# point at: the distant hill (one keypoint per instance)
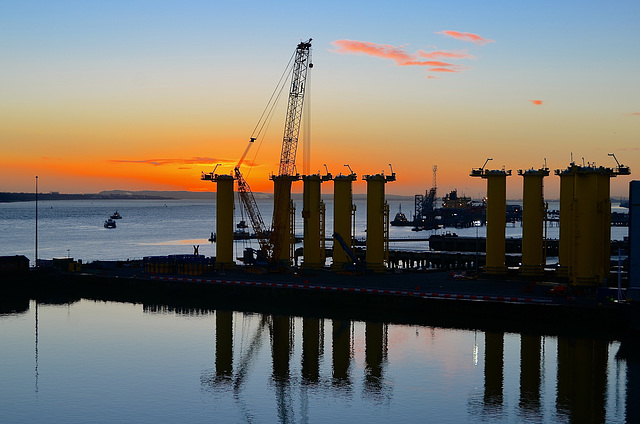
(146, 194)
(155, 195)
(30, 197)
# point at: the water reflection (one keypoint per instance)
(341, 352)
(493, 372)
(224, 345)
(312, 349)
(530, 377)
(581, 367)
(582, 379)
(290, 368)
(375, 356)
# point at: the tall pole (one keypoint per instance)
(36, 265)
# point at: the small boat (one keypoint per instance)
(116, 215)
(401, 219)
(109, 223)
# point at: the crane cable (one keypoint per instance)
(267, 114)
(271, 103)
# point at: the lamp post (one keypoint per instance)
(36, 263)
(476, 224)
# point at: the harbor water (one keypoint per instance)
(82, 360)
(95, 361)
(168, 227)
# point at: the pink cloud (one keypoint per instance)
(632, 114)
(443, 70)
(536, 102)
(384, 51)
(181, 161)
(467, 36)
(443, 53)
(400, 56)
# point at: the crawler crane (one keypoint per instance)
(272, 241)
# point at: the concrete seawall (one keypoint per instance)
(420, 299)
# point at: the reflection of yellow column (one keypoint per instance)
(582, 379)
(281, 237)
(493, 368)
(377, 221)
(532, 221)
(374, 348)
(224, 343)
(496, 218)
(530, 374)
(311, 214)
(224, 221)
(341, 350)
(281, 346)
(342, 210)
(311, 349)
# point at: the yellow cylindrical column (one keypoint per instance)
(566, 220)
(282, 237)
(377, 221)
(311, 214)
(496, 221)
(603, 198)
(585, 222)
(532, 221)
(586, 260)
(342, 221)
(496, 217)
(224, 221)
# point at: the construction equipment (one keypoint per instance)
(355, 264)
(282, 223)
(301, 65)
(271, 241)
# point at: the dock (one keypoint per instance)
(436, 298)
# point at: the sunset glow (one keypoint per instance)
(147, 97)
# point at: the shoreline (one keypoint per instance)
(411, 298)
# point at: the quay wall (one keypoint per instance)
(515, 312)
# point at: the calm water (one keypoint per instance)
(112, 362)
(94, 361)
(148, 228)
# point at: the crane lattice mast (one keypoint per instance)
(294, 108)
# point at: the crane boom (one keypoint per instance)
(294, 108)
(250, 205)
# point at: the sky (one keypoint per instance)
(147, 95)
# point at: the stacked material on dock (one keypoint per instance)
(179, 264)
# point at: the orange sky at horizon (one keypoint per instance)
(94, 100)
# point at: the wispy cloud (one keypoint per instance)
(632, 114)
(537, 102)
(402, 57)
(437, 54)
(467, 36)
(442, 70)
(182, 161)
